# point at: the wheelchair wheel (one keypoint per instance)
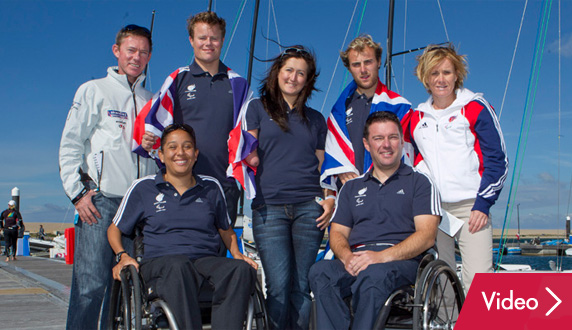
(256, 314)
(439, 297)
(126, 302)
(160, 316)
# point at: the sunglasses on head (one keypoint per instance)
(133, 27)
(294, 50)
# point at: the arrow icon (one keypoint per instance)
(558, 301)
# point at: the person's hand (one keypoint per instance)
(148, 141)
(249, 261)
(361, 260)
(344, 177)
(324, 220)
(125, 261)
(477, 221)
(86, 210)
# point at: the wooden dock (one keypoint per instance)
(34, 293)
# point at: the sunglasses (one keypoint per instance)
(183, 127)
(293, 51)
(133, 27)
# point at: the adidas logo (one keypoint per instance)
(401, 192)
(199, 200)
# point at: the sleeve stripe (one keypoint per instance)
(435, 196)
(121, 208)
(210, 178)
(495, 187)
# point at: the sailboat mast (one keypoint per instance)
(150, 30)
(248, 78)
(389, 49)
(252, 41)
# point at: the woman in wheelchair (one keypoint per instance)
(183, 214)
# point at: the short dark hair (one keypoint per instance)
(133, 30)
(381, 117)
(175, 127)
(208, 17)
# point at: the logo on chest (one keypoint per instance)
(360, 197)
(191, 92)
(160, 203)
(349, 114)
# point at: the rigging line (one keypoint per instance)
(395, 81)
(347, 72)
(569, 197)
(404, 38)
(559, 259)
(234, 27)
(513, 57)
(527, 114)
(535, 74)
(443, 19)
(268, 34)
(338, 57)
(275, 22)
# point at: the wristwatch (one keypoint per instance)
(118, 255)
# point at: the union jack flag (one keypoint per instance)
(339, 157)
(158, 114)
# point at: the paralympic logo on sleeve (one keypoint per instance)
(518, 301)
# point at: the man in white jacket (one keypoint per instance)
(97, 167)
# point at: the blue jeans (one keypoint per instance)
(93, 260)
(288, 239)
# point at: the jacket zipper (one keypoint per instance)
(136, 113)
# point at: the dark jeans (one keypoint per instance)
(288, 240)
(331, 283)
(177, 280)
(11, 242)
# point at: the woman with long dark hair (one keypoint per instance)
(290, 211)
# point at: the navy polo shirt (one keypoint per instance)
(383, 213)
(358, 107)
(205, 102)
(175, 224)
(288, 171)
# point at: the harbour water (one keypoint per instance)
(536, 262)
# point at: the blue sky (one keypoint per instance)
(49, 48)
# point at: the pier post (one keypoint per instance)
(16, 197)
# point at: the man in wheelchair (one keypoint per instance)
(183, 215)
(383, 221)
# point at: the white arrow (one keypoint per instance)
(558, 301)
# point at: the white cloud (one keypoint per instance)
(566, 46)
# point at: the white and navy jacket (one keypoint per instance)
(98, 133)
(461, 148)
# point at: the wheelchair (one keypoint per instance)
(423, 306)
(133, 307)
